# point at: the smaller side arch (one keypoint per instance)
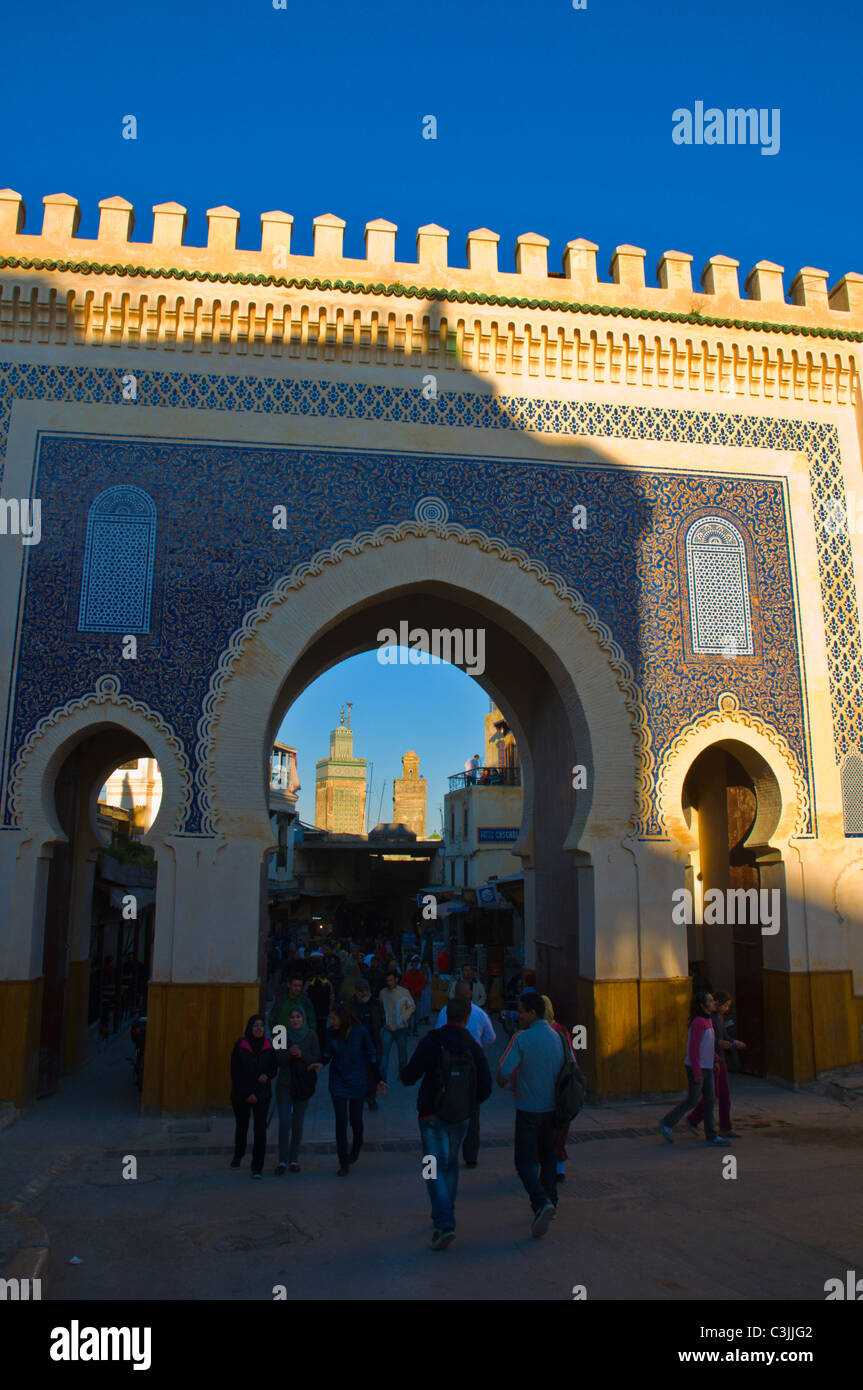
(56, 735)
(761, 749)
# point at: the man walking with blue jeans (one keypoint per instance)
(535, 1057)
(398, 1007)
(455, 1077)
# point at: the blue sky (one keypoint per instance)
(436, 710)
(550, 120)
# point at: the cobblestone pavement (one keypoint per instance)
(638, 1219)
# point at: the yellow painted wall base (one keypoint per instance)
(75, 1019)
(664, 1025)
(811, 1023)
(836, 1036)
(788, 1050)
(628, 1054)
(191, 1030)
(20, 1030)
(810, 1027)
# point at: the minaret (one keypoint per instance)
(409, 796)
(340, 785)
(500, 745)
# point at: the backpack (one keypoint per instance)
(569, 1090)
(455, 1086)
(303, 1081)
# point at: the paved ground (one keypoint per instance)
(638, 1219)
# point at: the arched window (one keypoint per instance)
(719, 613)
(852, 793)
(117, 580)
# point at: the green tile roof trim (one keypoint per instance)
(401, 291)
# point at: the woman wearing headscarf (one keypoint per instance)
(299, 1062)
(253, 1065)
(561, 1133)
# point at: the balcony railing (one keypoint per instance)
(486, 777)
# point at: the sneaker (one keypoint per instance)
(293, 1167)
(235, 1162)
(729, 1134)
(257, 1175)
(441, 1239)
(542, 1220)
(279, 1169)
(666, 1132)
(693, 1129)
(343, 1171)
(718, 1142)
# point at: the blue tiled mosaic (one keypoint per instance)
(217, 553)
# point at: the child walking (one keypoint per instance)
(699, 1061)
(724, 1045)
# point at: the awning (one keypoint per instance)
(451, 908)
(513, 890)
(502, 893)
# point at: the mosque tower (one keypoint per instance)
(409, 796)
(340, 784)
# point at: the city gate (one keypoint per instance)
(226, 470)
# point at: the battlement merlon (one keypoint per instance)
(718, 295)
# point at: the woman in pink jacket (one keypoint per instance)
(700, 1061)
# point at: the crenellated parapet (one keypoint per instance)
(59, 288)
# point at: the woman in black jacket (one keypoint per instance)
(253, 1065)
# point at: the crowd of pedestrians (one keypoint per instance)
(349, 1012)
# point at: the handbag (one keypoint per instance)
(570, 1089)
(303, 1081)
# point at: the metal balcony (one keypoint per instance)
(486, 777)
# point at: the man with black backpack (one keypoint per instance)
(455, 1079)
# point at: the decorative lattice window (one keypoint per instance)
(117, 581)
(852, 793)
(719, 612)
